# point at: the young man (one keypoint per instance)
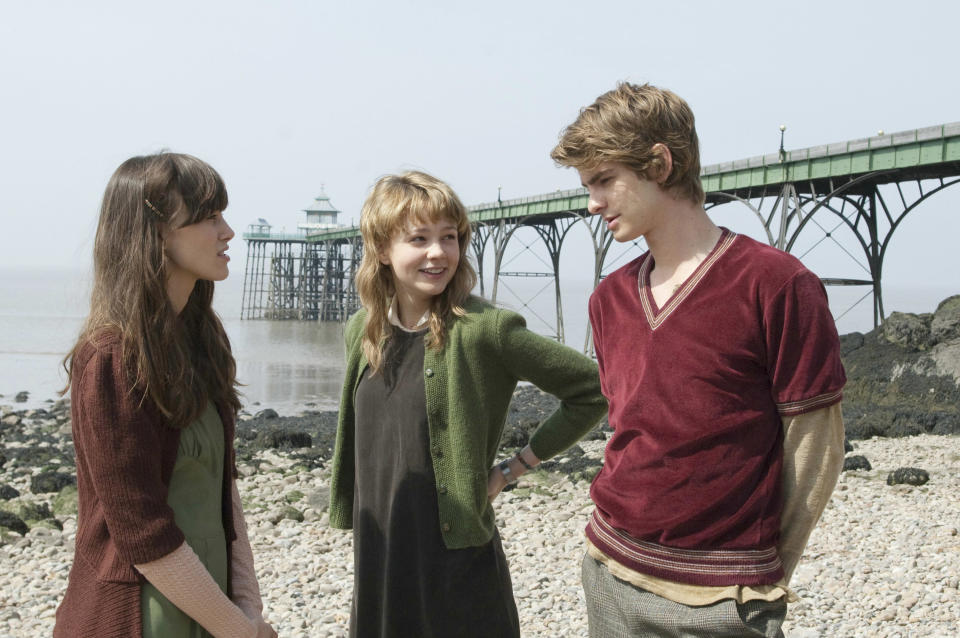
(721, 363)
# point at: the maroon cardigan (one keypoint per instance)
(125, 456)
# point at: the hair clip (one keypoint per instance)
(154, 209)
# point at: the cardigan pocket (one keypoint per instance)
(107, 567)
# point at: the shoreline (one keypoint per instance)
(884, 560)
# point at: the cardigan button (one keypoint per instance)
(445, 527)
(438, 451)
(442, 489)
(428, 372)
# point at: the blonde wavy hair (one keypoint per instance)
(396, 203)
(624, 124)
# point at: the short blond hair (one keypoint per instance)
(396, 202)
(624, 124)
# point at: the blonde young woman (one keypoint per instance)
(430, 371)
(161, 547)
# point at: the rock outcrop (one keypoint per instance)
(904, 377)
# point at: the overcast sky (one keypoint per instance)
(284, 97)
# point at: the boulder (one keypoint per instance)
(894, 388)
(35, 511)
(857, 462)
(22, 396)
(529, 407)
(284, 438)
(908, 475)
(13, 523)
(908, 330)
(8, 492)
(319, 499)
(50, 482)
(65, 502)
(850, 342)
(945, 324)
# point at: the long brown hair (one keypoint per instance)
(395, 202)
(177, 362)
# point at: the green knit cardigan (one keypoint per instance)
(469, 384)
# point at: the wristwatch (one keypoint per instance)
(507, 474)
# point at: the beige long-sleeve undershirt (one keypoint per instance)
(812, 462)
(183, 579)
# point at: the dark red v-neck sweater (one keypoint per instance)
(690, 488)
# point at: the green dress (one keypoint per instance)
(195, 495)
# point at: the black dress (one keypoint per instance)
(406, 583)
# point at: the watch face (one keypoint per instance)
(507, 474)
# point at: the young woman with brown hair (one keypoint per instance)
(161, 546)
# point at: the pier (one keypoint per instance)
(852, 195)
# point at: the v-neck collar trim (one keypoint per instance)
(656, 316)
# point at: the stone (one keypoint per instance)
(50, 482)
(857, 462)
(946, 320)
(283, 438)
(847, 446)
(65, 502)
(318, 499)
(8, 492)
(48, 524)
(22, 397)
(268, 413)
(850, 342)
(35, 511)
(13, 523)
(908, 330)
(287, 513)
(908, 476)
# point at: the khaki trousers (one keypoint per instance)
(618, 609)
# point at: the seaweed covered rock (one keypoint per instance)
(13, 523)
(49, 482)
(285, 438)
(35, 511)
(908, 476)
(857, 462)
(945, 324)
(908, 330)
(904, 377)
(66, 501)
(316, 429)
(528, 408)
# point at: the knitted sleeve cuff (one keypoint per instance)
(182, 578)
(245, 590)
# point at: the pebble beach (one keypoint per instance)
(883, 562)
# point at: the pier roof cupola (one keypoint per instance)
(259, 228)
(321, 214)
